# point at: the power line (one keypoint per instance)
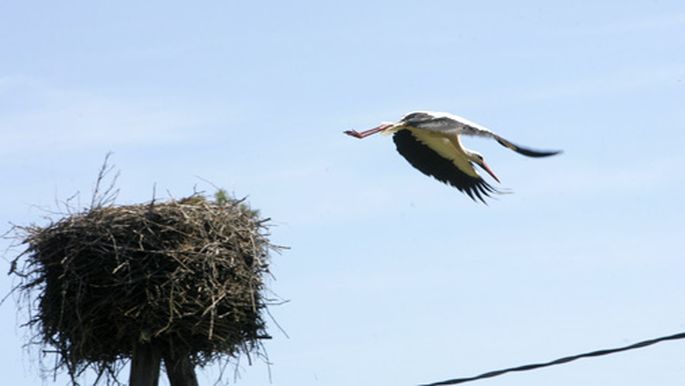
(559, 361)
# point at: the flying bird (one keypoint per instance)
(430, 141)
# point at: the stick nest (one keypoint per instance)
(187, 275)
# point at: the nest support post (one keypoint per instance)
(179, 370)
(145, 365)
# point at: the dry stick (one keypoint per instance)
(559, 361)
(98, 198)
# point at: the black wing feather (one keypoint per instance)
(528, 152)
(432, 164)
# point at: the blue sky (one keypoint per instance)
(393, 278)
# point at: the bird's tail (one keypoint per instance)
(525, 151)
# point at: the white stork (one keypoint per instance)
(430, 142)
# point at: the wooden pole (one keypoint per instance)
(145, 365)
(179, 370)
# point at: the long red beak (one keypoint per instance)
(490, 172)
(366, 133)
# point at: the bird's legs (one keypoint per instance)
(366, 133)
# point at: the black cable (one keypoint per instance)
(559, 361)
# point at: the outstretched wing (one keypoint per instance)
(467, 127)
(523, 150)
(436, 156)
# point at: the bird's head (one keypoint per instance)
(478, 159)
